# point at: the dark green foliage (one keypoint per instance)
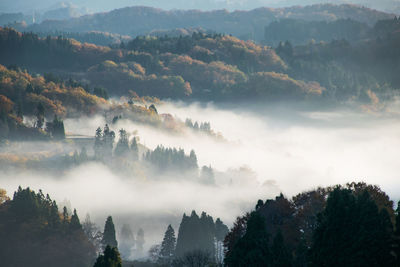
(252, 249)
(101, 92)
(175, 45)
(110, 258)
(75, 224)
(302, 31)
(167, 251)
(196, 233)
(280, 255)
(56, 128)
(109, 238)
(352, 231)
(33, 233)
(171, 159)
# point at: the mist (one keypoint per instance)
(264, 152)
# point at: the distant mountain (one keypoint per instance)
(243, 24)
(29, 6)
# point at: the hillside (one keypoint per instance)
(244, 24)
(209, 67)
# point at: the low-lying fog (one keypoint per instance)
(275, 151)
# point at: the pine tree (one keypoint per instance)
(168, 245)
(134, 149)
(75, 224)
(279, 253)
(110, 258)
(122, 146)
(351, 231)
(252, 249)
(109, 234)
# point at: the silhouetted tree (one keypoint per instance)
(109, 234)
(110, 258)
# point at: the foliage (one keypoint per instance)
(171, 159)
(110, 258)
(34, 233)
(109, 238)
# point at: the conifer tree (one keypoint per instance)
(252, 249)
(351, 231)
(279, 252)
(109, 234)
(122, 146)
(75, 224)
(110, 258)
(134, 149)
(168, 245)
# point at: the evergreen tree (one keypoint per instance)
(39, 115)
(351, 231)
(279, 253)
(122, 146)
(109, 234)
(127, 241)
(140, 241)
(134, 149)
(252, 249)
(196, 234)
(110, 258)
(167, 251)
(98, 143)
(75, 224)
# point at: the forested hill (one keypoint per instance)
(244, 24)
(211, 67)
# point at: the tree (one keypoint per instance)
(279, 253)
(110, 258)
(93, 233)
(109, 234)
(127, 241)
(75, 224)
(352, 231)
(196, 233)
(195, 258)
(98, 143)
(251, 249)
(135, 149)
(122, 146)
(3, 196)
(167, 251)
(39, 115)
(140, 241)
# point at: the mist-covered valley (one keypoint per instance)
(149, 137)
(261, 151)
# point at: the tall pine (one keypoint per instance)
(109, 234)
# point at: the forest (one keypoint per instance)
(310, 229)
(146, 137)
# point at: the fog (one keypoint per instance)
(265, 151)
